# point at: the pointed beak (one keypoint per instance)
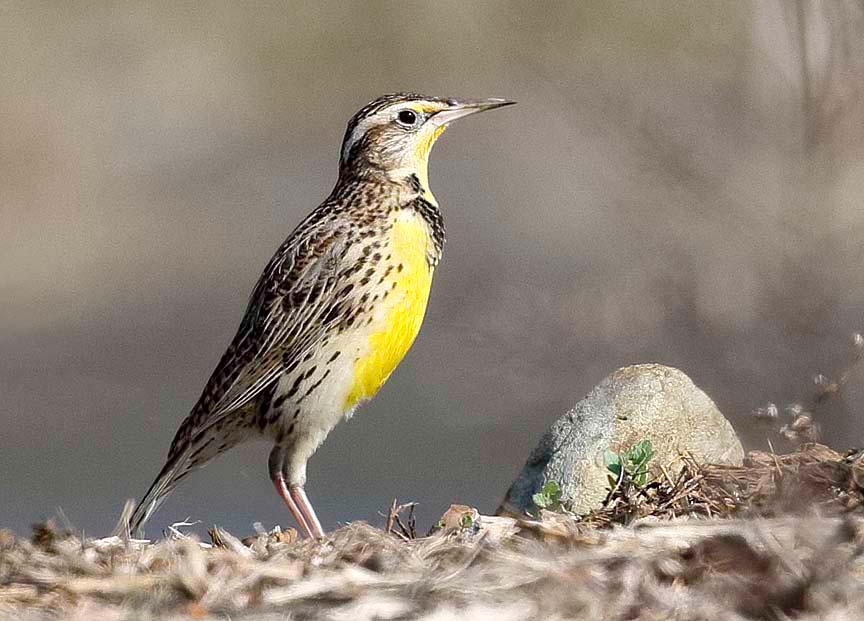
(457, 108)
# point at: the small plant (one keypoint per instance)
(632, 464)
(549, 496)
(467, 521)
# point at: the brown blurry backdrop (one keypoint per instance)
(680, 182)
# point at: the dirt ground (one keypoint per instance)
(777, 538)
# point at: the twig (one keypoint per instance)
(408, 532)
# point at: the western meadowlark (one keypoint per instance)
(335, 310)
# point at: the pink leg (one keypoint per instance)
(302, 502)
(282, 488)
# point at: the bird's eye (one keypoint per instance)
(407, 118)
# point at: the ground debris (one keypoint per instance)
(814, 479)
(779, 537)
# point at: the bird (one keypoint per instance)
(335, 310)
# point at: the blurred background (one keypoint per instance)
(680, 182)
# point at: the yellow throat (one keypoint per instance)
(421, 158)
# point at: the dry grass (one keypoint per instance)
(778, 538)
(815, 478)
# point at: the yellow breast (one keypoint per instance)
(403, 308)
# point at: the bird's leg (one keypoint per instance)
(302, 502)
(284, 492)
(275, 463)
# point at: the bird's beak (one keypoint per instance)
(457, 108)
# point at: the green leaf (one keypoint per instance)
(552, 489)
(549, 496)
(641, 452)
(613, 463)
(638, 457)
(540, 500)
(632, 464)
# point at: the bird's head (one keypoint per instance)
(395, 133)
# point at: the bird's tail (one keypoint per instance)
(174, 470)
(186, 455)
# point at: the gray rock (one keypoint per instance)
(641, 401)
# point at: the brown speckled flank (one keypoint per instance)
(335, 310)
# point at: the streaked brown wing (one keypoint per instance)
(283, 319)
